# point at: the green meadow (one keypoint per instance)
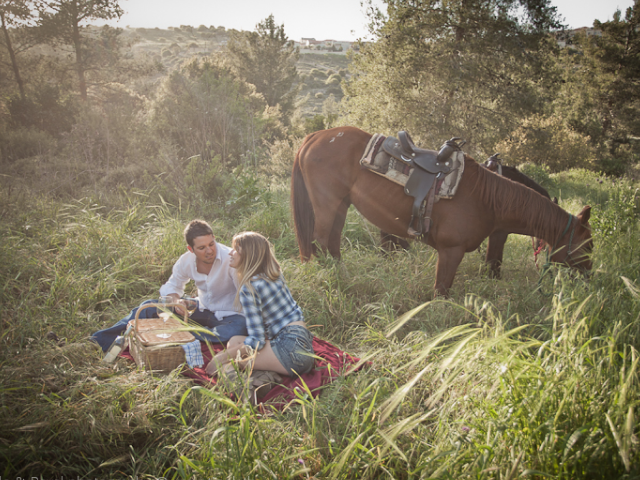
(510, 378)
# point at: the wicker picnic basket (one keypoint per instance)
(153, 352)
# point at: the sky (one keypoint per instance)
(323, 20)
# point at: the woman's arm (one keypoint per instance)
(252, 310)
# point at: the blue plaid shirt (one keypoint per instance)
(268, 311)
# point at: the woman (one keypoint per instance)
(277, 332)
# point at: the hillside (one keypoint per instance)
(320, 73)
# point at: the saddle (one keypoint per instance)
(429, 170)
(494, 164)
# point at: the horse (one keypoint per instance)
(327, 178)
(497, 240)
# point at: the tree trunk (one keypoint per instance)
(12, 54)
(77, 44)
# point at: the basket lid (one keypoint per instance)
(149, 328)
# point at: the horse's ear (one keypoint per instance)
(584, 215)
(555, 200)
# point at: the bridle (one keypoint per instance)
(547, 265)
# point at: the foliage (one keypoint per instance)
(61, 21)
(14, 14)
(488, 67)
(547, 140)
(600, 97)
(202, 109)
(267, 59)
(499, 379)
(539, 173)
(619, 214)
(314, 124)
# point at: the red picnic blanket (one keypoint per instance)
(334, 363)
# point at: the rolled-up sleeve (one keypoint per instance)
(178, 279)
(253, 313)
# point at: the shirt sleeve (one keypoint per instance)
(178, 279)
(252, 309)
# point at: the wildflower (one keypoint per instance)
(465, 429)
(301, 461)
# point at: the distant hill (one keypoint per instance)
(320, 73)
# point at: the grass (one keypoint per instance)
(497, 382)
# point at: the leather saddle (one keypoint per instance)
(429, 168)
(494, 163)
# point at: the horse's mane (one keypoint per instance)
(512, 173)
(505, 197)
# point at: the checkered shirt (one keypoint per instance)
(268, 311)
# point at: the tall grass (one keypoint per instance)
(497, 382)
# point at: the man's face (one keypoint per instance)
(204, 248)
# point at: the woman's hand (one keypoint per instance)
(213, 367)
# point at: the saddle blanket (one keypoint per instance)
(380, 162)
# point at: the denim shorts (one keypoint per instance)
(293, 346)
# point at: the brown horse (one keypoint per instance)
(497, 239)
(327, 178)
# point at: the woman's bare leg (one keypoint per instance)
(265, 359)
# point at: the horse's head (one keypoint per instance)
(575, 245)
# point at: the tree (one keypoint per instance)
(14, 13)
(62, 20)
(467, 68)
(202, 109)
(267, 59)
(601, 92)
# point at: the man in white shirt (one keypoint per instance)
(206, 263)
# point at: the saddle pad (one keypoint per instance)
(380, 162)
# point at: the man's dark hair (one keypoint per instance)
(196, 228)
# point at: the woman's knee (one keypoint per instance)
(235, 341)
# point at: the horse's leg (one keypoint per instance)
(330, 218)
(336, 231)
(391, 243)
(495, 250)
(448, 261)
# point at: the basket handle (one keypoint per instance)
(157, 305)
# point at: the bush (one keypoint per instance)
(539, 173)
(618, 214)
(24, 143)
(548, 141)
(333, 80)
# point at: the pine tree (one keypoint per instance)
(14, 13)
(267, 59)
(62, 20)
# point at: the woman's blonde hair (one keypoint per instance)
(256, 258)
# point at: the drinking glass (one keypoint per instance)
(164, 312)
(190, 305)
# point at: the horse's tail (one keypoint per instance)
(303, 217)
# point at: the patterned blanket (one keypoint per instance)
(333, 364)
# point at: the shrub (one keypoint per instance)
(539, 173)
(333, 80)
(23, 143)
(319, 95)
(548, 141)
(618, 214)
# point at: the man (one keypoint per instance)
(206, 263)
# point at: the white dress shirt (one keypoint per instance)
(216, 291)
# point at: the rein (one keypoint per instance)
(547, 265)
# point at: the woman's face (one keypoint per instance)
(235, 258)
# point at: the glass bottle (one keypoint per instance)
(116, 347)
